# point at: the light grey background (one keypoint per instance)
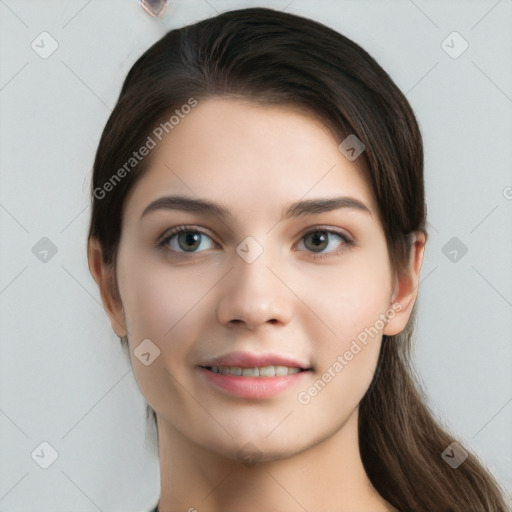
(64, 378)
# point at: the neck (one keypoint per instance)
(326, 476)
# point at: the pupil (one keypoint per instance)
(319, 236)
(190, 238)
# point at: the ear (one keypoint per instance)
(105, 279)
(406, 287)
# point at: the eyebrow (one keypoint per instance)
(297, 209)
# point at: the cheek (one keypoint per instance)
(351, 297)
(345, 362)
(160, 305)
(350, 302)
(157, 301)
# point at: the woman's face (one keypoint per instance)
(267, 274)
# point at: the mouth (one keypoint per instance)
(253, 383)
(254, 364)
(259, 372)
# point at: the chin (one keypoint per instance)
(256, 449)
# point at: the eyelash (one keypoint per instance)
(347, 242)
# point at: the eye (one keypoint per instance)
(319, 240)
(186, 239)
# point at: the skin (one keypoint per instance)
(255, 160)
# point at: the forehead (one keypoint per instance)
(249, 155)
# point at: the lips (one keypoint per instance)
(255, 360)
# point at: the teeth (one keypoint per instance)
(251, 372)
(268, 371)
(265, 371)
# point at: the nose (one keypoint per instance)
(254, 294)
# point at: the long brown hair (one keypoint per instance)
(278, 58)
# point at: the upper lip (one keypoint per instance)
(254, 360)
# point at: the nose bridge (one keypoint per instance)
(253, 294)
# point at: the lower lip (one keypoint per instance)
(253, 387)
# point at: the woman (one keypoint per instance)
(257, 234)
